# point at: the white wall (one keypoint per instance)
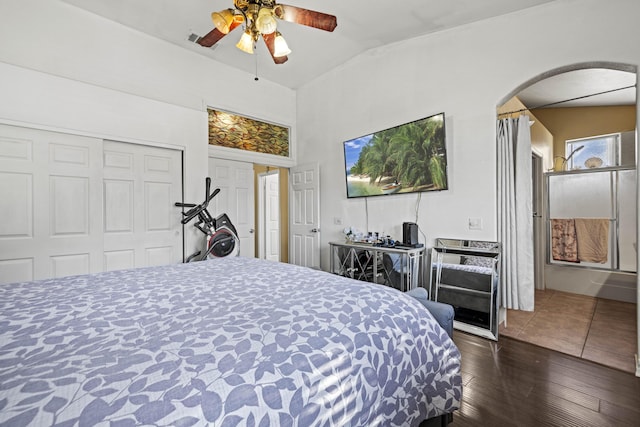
(465, 72)
(66, 69)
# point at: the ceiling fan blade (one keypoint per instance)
(269, 40)
(214, 36)
(307, 17)
(211, 38)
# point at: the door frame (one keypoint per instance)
(539, 229)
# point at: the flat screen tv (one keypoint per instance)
(403, 159)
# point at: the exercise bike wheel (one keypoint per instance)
(223, 243)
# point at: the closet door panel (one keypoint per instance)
(16, 205)
(50, 203)
(142, 225)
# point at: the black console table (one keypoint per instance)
(392, 266)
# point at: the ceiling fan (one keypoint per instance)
(259, 18)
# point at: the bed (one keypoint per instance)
(225, 342)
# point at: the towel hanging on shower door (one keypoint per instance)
(563, 240)
(593, 239)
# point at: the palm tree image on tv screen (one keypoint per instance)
(403, 159)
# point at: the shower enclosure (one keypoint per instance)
(607, 195)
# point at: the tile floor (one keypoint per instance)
(596, 329)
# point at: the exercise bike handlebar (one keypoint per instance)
(212, 195)
(207, 188)
(198, 209)
(192, 213)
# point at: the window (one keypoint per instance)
(239, 132)
(596, 152)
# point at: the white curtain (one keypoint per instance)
(515, 213)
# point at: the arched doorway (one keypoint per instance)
(530, 98)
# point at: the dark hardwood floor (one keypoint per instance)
(513, 383)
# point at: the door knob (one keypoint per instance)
(251, 230)
(315, 230)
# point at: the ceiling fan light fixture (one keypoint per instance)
(260, 19)
(266, 22)
(280, 47)
(251, 10)
(223, 20)
(246, 43)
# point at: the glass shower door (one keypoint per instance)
(605, 194)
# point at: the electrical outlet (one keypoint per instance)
(475, 223)
(337, 220)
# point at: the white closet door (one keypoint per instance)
(141, 225)
(63, 213)
(236, 198)
(50, 204)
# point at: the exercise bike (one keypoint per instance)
(221, 236)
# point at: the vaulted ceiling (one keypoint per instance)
(362, 25)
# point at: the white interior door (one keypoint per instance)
(236, 198)
(305, 215)
(141, 226)
(50, 204)
(269, 213)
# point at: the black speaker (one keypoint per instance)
(410, 233)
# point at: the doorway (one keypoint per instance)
(553, 126)
(566, 104)
(278, 242)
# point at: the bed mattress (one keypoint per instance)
(225, 342)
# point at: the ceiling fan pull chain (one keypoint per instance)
(256, 58)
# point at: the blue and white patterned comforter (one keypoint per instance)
(225, 342)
